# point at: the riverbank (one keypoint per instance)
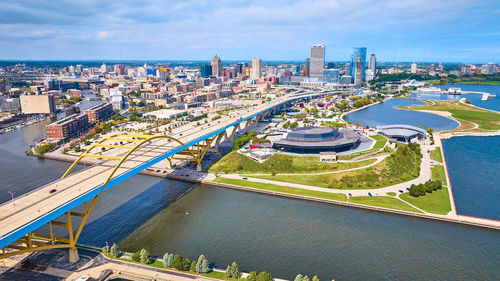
(206, 178)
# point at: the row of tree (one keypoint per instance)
(241, 140)
(301, 277)
(424, 188)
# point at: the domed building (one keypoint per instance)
(312, 140)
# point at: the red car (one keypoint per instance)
(53, 190)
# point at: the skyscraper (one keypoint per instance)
(206, 70)
(256, 71)
(216, 66)
(308, 66)
(372, 64)
(317, 61)
(331, 75)
(358, 53)
(413, 68)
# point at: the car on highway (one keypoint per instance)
(370, 194)
(53, 190)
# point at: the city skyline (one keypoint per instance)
(396, 31)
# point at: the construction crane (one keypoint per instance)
(358, 79)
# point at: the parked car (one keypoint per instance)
(53, 190)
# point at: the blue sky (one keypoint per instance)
(395, 30)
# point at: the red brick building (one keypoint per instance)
(99, 112)
(67, 127)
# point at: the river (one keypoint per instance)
(280, 235)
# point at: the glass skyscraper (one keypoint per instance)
(358, 53)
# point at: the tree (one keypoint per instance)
(315, 278)
(252, 276)
(264, 276)
(202, 266)
(115, 251)
(192, 268)
(105, 249)
(137, 256)
(145, 256)
(228, 271)
(430, 130)
(299, 277)
(306, 278)
(181, 263)
(235, 271)
(167, 259)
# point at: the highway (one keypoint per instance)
(27, 213)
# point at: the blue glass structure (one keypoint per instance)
(359, 52)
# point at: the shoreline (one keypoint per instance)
(460, 219)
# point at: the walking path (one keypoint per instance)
(425, 175)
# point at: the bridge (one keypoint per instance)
(67, 203)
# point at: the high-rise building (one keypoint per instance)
(120, 69)
(308, 65)
(331, 75)
(317, 61)
(206, 70)
(216, 66)
(441, 67)
(432, 68)
(348, 69)
(372, 64)
(164, 73)
(104, 69)
(356, 68)
(413, 68)
(256, 70)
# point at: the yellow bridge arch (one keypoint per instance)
(38, 242)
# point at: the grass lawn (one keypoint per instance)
(380, 142)
(391, 193)
(483, 118)
(437, 202)
(235, 162)
(436, 155)
(284, 189)
(397, 168)
(438, 174)
(383, 201)
(217, 275)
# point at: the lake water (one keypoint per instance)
(385, 114)
(491, 103)
(474, 168)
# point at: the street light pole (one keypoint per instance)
(12, 195)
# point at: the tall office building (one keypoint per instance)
(104, 68)
(372, 64)
(358, 53)
(308, 66)
(413, 68)
(216, 66)
(317, 61)
(331, 75)
(206, 70)
(256, 71)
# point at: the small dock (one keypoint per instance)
(485, 96)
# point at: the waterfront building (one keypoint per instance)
(256, 70)
(358, 53)
(9, 104)
(99, 112)
(331, 75)
(216, 66)
(317, 63)
(317, 139)
(402, 133)
(68, 127)
(33, 104)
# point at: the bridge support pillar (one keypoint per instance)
(198, 167)
(73, 255)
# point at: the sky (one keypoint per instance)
(466, 31)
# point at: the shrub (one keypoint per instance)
(264, 276)
(202, 266)
(181, 263)
(136, 256)
(252, 276)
